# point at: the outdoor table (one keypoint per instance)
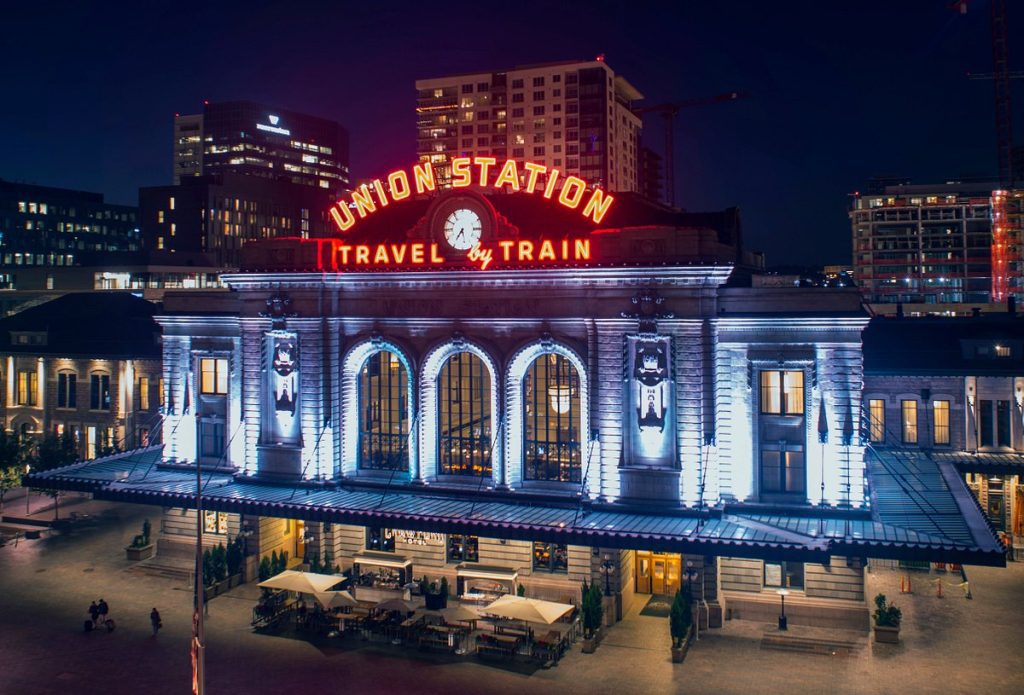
(504, 645)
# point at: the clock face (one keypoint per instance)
(463, 228)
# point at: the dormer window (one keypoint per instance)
(28, 337)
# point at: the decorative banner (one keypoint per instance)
(650, 416)
(281, 409)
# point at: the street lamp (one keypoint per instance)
(783, 593)
(606, 566)
(307, 538)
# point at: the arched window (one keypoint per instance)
(383, 413)
(464, 416)
(551, 415)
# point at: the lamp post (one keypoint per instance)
(307, 538)
(606, 566)
(783, 593)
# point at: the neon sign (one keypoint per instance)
(335, 256)
(569, 191)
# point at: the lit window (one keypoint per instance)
(160, 216)
(381, 539)
(463, 548)
(909, 422)
(159, 243)
(383, 413)
(215, 522)
(213, 376)
(940, 413)
(789, 575)
(550, 557)
(1002, 350)
(170, 203)
(876, 415)
(27, 387)
(782, 393)
(144, 393)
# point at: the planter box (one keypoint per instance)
(679, 653)
(590, 644)
(436, 602)
(887, 635)
(234, 580)
(143, 553)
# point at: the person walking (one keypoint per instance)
(154, 620)
(103, 609)
(94, 612)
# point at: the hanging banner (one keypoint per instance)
(281, 408)
(651, 416)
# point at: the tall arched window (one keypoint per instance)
(551, 414)
(464, 416)
(383, 413)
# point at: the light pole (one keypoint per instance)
(783, 593)
(606, 566)
(198, 630)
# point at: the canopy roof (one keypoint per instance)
(303, 582)
(532, 610)
(922, 511)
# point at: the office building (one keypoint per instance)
(47, 226)
(570, 116)
(245, 137)
(216, 214)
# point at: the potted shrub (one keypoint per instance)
(265, 572)
(592, 611)
(437, 596)
(887, 621)
(141, 547)
(680, 624)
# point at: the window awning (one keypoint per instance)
(501, 574)
(922, 511)
(398, 562)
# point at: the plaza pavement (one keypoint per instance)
(950, 645)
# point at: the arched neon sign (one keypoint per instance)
(569, 191)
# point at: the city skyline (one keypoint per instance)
(811, 76)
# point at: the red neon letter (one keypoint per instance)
(484, 163)
(417, 254)
(364, 203)
(572, 200)
(434, 257)
(583, 249)
(398, 251)
(342, 216)
(362, 254)
(506, 249)
(460, 172)
(344, 253)
(424, 177)
(381, 256)
(398, 182)
(598, 205)
(547, 251)
(531, 178)
(525, 250)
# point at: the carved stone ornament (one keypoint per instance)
(648, 303)
(278, 306)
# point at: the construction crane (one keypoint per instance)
(668, 113)
(1000, 76)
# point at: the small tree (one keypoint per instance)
(51, 453)
(275, 564)
(591, 609)
(234, 556)
(14, 454)
(886, 614)
(444, 586)
(265, 571)
(520, 590)
(220, 563)
(680, 617)
(207, 568)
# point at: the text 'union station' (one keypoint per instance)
(640, 401)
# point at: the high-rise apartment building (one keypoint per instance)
(244, 137)
(570, 116)
(933, 244)
(46, 226)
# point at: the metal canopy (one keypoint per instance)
(917, 516)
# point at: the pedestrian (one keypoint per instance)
(103, 609)
(94, 612)
(154, 619)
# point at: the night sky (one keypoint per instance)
(836, 93)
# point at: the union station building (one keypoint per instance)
(488, 384)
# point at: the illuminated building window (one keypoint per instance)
(215, 522)
(213, 376)
(1002, 350)
(28, 387)
(66, 387)
(144, 393)
(211, 439)
(783, 471)
(550, 557)
(876, 416)
(787, 575)
(464, 416)
(551, 412)
(782, 393)
(940, 416)
(170, 203)
(160, 216)
(383, 410)
(909, 421)
(463, 548)
(380, 539)
(160, 387)
(99, 392)
(994, 423)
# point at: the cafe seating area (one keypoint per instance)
(462, 629)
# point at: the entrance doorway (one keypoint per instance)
(657, 573)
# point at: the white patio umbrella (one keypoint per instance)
(459, 614)
(533, 610)
(395, 604)
(303, 582)
(335, 599)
